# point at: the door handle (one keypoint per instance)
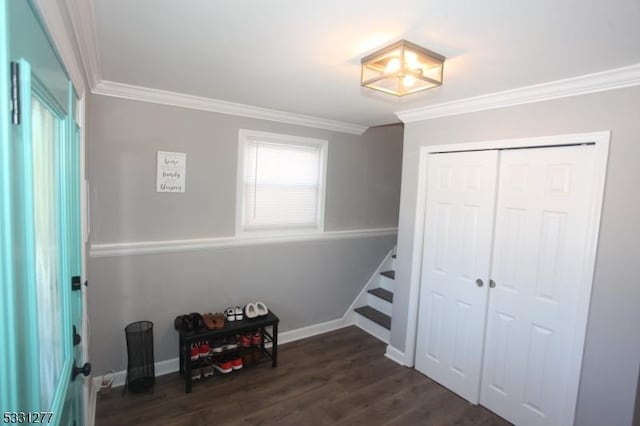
(479, 282)
(492, 284)
(76, 337)
(85, 370)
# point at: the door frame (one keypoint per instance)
(52, 18)
(600, 140)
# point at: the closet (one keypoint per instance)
(503, 299)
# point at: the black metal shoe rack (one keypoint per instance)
(231, 329)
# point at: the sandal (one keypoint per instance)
(250, 311)
(261, 309)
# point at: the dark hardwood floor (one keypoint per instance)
(338, 378)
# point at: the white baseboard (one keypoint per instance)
(313, 330)
(90, 417)
(395, 355)
(167, 366)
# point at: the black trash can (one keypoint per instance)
(141, 375)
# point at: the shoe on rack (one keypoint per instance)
(196, 374)
(230, 344)
(230, 314)
(261, 309)
(245, 340)
(223, 366)
(217, 346)
(207, 371)
(239, 313)
(194, 322)
(195, 352)
(178, 321)
(236, 363)
(256, 339)
(218, 318)
(209, 321)
(203, 349)
(250, 311)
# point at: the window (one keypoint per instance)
(281, 180)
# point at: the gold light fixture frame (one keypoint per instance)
(402, 68)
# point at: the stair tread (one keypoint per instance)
(382, 294)
(389, 274)
(375, 316)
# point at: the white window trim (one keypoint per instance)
(243, 135)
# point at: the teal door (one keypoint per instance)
(40, 236)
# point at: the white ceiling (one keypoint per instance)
(303, 56)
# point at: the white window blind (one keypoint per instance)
(282, 182)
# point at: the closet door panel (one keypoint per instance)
(541, 228)
(458, 229)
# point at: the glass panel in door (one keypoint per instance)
(45, 130)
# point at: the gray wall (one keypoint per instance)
(636, 417)
(363, 172)
(612, 352)
(305, 283)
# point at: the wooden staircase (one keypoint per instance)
(375, 304)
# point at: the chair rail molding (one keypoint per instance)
(174, 246)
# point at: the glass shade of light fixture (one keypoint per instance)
(402, 68)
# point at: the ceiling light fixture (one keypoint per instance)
(402, 68)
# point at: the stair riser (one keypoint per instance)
(386, 283)
(372, 328)
(379, 304)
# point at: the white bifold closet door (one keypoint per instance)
(457, 252)
(503, 276)
(542, 226)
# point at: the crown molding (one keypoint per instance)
(146, 94)
(82, 17)
(54, 21)
(616, 78)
